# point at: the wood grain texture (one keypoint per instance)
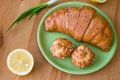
(24, 35)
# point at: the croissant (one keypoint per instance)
(83, 24)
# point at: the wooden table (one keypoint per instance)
(23, 35)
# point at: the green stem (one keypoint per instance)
(28, 12)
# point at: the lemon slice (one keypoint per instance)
(20, 62)
(99, 1)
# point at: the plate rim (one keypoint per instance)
(61, 68)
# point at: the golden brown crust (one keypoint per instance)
(59, 18)
(71, 15)
(97, 25)
(50, 24)
(61, 48)
(106, 38)
(86, 15)
(82, 56)
(97, 38)
(89, 27)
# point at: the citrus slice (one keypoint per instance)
(20, 62)
(99, 1)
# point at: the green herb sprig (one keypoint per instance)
(30, 12)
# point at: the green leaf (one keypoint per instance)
(36, 11)
(31, 12)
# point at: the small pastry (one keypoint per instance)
(82, 56)
(61, 48)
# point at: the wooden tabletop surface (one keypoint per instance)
(23, 35)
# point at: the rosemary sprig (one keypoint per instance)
(30, 12)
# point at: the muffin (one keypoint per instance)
(61, 48)
(82, 56)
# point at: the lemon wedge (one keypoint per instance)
(20, 62)
(99, 1)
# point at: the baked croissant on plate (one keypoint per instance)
(82, 23)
